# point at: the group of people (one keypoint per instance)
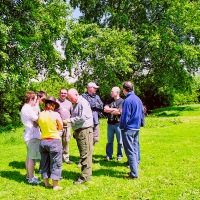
(47, 133)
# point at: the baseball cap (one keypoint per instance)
(92, 84)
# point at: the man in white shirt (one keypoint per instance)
(31, 134)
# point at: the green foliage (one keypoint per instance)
(102, 55)
(28, 31)
(169, 167)
(166, 39)
(51, 85)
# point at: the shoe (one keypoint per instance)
(69, 162)
(79, 181)
(79, 165)
(126, 163)
(49, 186)
(94, 161)
(130, 176)
(119, 159)
(39, 171)
(56, 188)
(107, 159)
(34, 180)
(27, 177)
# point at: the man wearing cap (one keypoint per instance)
(82, 121)
(65, 110)
(96, 105)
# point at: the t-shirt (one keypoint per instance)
(28, 117)
(114, 103)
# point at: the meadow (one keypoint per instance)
(169, 167)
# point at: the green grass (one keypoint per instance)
(169, 168)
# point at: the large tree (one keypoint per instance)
(28, 30)
(167, 37)
(99, 54)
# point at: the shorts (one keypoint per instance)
(33, 151)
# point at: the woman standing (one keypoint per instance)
(51, 148)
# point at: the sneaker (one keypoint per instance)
(79, 165)
(79, 181)
(107, 159)
(94, 161)
(27, 177)
(69, 162)
(130, 176)
(56, 188)
(34, 180)
(119, 159)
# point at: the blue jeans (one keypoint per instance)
(111, 130)
(130, 140)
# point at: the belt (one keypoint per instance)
(49, 139)
(80, 129)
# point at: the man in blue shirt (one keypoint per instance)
(130, 123)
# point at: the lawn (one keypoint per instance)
(169, 168)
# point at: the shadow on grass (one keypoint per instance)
(17, 164)
(108, 172)
(13, 175)
(69, 175)
(173, 111)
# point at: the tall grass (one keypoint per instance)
(169, 168)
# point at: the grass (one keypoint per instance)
(169, 167)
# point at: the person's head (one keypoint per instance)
(31, 98)
(92, 88)
(73, 95)
(63, 94)
(115, 92)
(127, 87)
(51, 104)
(41, 96)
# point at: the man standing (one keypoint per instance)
(130, 123)
(82, 123)
(65, 110)
(31, 135)
(96, 106)
(113, 107)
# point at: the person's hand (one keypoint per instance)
(35, 124)
(66, 121)
(74, 135)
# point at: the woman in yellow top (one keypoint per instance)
(51, 148)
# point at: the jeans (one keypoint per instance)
(111, 130)
(130, 140)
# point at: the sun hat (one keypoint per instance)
(52, 99)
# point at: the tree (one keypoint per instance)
(28, 30)
(167, 37)
(99, 54)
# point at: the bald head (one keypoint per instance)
(115, 92)
(128, 86)
(73, 95)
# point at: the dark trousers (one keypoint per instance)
(84, 139)
(51, 159)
